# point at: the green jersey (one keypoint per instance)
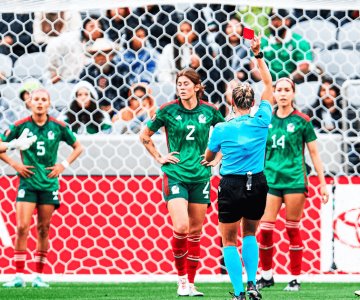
(187, 132)
(43, 153)
(285, 161)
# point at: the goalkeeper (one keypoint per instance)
(38, 137)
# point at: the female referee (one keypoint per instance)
(243, 188)
(39, 182)
(285, 172)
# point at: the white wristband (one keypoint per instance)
(65, 164)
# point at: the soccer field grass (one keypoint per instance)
(162, 291)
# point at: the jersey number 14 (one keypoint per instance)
(280, 142)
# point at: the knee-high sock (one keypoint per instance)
(234, 268)
(40, 261)
(193, 256)
(296, 246)
(19, 259)
(266, 245)
(180, 251)
(250, 255)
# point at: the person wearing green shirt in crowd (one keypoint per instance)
(84, 115)
(257, 18)
(285, 170)
(39, 181)
(287, 53)
(186, 183)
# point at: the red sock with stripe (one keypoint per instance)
(19, 258)
(180, 251)
(266, 245)
(296, 246)
(193, 256)
(40, 260)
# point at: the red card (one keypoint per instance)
(248, 33)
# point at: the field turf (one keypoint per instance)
(162, 291)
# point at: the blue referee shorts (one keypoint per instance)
(237, 197)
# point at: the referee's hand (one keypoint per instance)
(206, 163)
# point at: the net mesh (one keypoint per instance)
(112, 219)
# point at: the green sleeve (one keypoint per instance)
(309, 132)
(157, 121)
(218, 118)
(10, 134)
(68, 136)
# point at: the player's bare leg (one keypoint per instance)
(43, 225)
(294, 207)
(24, 212)
(197, 214)
(267, 225)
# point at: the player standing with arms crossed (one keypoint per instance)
(243, 188)
(186, 182)
(285, 170)
(39, 181)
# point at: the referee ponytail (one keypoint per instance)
(243, 95)
(194, 78)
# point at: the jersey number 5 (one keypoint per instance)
(278, 142)
(189, 136)
(40, 147)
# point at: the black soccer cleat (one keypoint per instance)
(240, 297)
(252, 291)
(263, 283)
(293, 286)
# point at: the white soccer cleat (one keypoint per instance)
(193, 292)
(17, 282)
(293, 286)
(183, 287)
(39, 283)
(357, 293)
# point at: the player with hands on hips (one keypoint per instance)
(186, 181)
(37, 137)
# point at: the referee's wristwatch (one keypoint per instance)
(260, 55)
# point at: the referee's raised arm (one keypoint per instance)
(267, 94)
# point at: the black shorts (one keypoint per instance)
(236, 201)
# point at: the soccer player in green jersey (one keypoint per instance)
(186, 182)
(289, 132)
(39, 182)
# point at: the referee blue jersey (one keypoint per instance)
(242, 141)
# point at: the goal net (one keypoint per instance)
(112, 219)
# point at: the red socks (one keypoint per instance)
(19, 258)
(266, 245)
(296, 246)
(193, 256)
(40, 260)
(180, 250)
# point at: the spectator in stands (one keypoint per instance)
(118, 23)
(103, 74)
(92, 29)
(48, 25)
(140, 109)
(256, 18)
(185, 51)
(287, 53)
(66, 57)
(137, 62)
(16, 34)
(84, 115)
(7, 116)
(161, 23)
(325, 113)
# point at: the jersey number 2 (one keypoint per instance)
(278, 142)
(40, 147)
(189, 136)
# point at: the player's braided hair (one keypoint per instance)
(243, 95)
(195, 79)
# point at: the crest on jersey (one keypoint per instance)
(290, 127)
(51, 135)
(21, 193)
(178, 118)
(202, 119)
(175, 190)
